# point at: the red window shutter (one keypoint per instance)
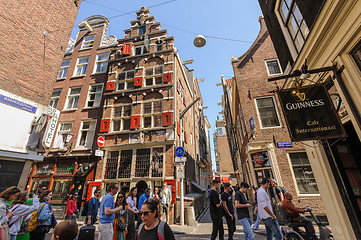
(167, 119)
(167, 77)
(185, 137)
(110, 86)
(138, 81)
(178, 128)
(104, 125)
(127, 48)
(135, 122)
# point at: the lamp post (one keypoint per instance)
(181, 115)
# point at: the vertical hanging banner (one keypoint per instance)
(310, 114)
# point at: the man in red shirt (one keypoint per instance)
(292, 209)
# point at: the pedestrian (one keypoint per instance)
(66, 230)
(42, 188)
(166, 199)
(20, 210)
(6, 196)
(46, 219)
(266, 213)
(216, 211)
(71, 207)
(258, 220)
(132, 199)
(124, 227)
(144, 197)
(242, 206)
(227, 201)
(107, 213)
(277, 192)
(152, 228)
(93, 206)
(236, 188)
(156, 193)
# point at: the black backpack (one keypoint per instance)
(84, 212)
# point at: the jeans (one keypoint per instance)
(231, 224)
(13, 237)
(106, 231)
(248, 232)
(272, 227)
(217, 227)
(256, 224)
(70, 218)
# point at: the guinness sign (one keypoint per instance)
(310, 114)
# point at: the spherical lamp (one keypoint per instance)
(199, 41)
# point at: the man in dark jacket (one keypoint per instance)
(216, 211)
(93, 206)
(227, 202)
(295, 211)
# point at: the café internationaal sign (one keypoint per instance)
(310, 114)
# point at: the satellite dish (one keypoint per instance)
(199, 41)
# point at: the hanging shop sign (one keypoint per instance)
(310, 114)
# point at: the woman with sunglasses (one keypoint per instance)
(152, 228)
(123, 218)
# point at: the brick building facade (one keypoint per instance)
(34, 38)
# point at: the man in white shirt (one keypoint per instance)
(265, 212)
(165, 198)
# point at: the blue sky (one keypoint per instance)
(184, 19)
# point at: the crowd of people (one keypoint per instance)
(24, 217)
(268, 197)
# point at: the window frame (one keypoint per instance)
(78, 65)
(97, 62)
(64, 69)
(94, 93)
(278, 64)
(90, 134)
(126, 81)
(153, 77)
(71, 96)
(143, 50)
(294, 176)
(276, 110)
(85, 42)
(122, 118)
(152, 114)
(60, 131)
(55, 99)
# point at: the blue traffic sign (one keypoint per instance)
(179, 152)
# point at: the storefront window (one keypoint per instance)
(112, 165)
(65, 168)
(37, 182)
(157, 162)
(61, 187)
(44, 169)
(303, 173)
(142, 163)
(260, 160)
(125, 163)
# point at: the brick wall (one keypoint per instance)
(30, 61)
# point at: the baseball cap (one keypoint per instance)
(265, 180)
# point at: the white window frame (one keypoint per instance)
(142, 48)
(98, 96)
(128, 80)
(152, 114)
(278, 63)
(81, 65)
(54, 100)
(88, 44)
(294, 177)
(59, 139)
(69, 96)
(89, 134)
(276, 109)
(105, 62)
(64, 69)
(123, 117)
(153, 77)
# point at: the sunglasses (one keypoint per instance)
(144, 213)
(120, 197)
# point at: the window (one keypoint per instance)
(37, 181)
(95, 95)
(159, 47)
(88, 42)
(81, 66)
(142, 30)
(64, 68)
(273, 67)
(139, 50)
(101, 63)
(73, 98)
(87, 134)
(121, 117)
(356, 54)
(61, 187)
(64, 168)
(152, 114)
(64, 135)
(44, 169)
(302, 170)
(142, 162)
(157, 162)
(294, 22)
(154, 75)
(125, 164)
(267, 112)
(54, 99)
(125, 80)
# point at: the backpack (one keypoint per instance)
(84, 212)
(31, 221)
(160, 230)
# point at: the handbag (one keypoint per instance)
(122, 226)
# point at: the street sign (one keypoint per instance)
(252, 124)
(284, 144)
(180, 171)
(100, 141)
(179, 152)
(99, 153)
(180, 160)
